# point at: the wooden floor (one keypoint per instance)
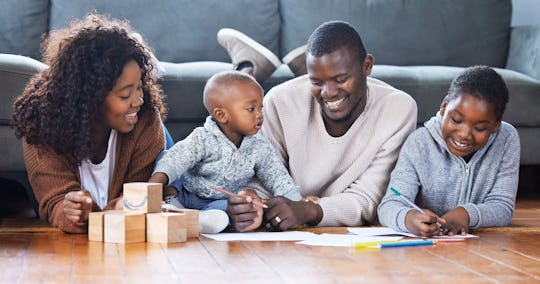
(33, 253)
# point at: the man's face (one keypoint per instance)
(338, 83)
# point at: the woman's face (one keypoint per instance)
(119, 110)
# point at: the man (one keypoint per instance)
(338, 132)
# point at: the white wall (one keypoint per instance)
(525, 12)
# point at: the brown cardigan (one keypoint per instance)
(52, 175)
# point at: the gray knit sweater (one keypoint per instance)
(429, 174)
(208, 158)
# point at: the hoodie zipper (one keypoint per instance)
(467, 170)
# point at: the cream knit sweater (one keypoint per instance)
(350, 173)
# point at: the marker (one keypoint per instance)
(407, 200)
(363, 245)
(389, 244)
(406, 244)
(217, 188)
(410, 203)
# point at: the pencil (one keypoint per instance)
(447, 240)
(217, 188)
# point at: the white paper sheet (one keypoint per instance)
(385, 231)
(261, 236)
(340, 240)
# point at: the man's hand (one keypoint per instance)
(283, 213)
(77, 207)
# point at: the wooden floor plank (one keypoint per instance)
(49, 258)
(95, 260)
(462, 255)
(237, 262)
(13, 253)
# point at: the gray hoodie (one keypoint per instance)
(428, 174)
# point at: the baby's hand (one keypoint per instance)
(424, 225)
(252, 196)
(244, 214)
(311, 198)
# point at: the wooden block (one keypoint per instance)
(166, 227)
(95, 226)
(192, 221)
(142, 197)
(124, 227)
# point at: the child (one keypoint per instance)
(226, 152)
(462, 166)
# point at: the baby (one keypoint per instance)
(227, 152)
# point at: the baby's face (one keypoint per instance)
(245, 109)
(467, 124)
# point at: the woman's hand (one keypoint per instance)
(424, 225)
(77, 207)
(457, 222)
(283, 213)
(244, 214)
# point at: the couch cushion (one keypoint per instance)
(182, 30)
(428, 86)
(22, 23)
(524, 53)
(412, 32)
(15, 72)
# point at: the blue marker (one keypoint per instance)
(390, 244)
(406, 244)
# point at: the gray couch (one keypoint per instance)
(419, 47)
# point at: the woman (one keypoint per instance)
(90, 122)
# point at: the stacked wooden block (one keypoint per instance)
(142, 219)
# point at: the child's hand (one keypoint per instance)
(311, 198)
(424, 225)
(457, 222)
(245, 215)
(251, 196)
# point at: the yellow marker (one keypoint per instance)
(372, 244)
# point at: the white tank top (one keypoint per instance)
(96, 178)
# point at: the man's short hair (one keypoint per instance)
(333, 35)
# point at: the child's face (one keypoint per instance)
(244, 110)
(467, 124)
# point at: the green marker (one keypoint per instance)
(409, 202)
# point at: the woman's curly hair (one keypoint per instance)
(60, 105)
